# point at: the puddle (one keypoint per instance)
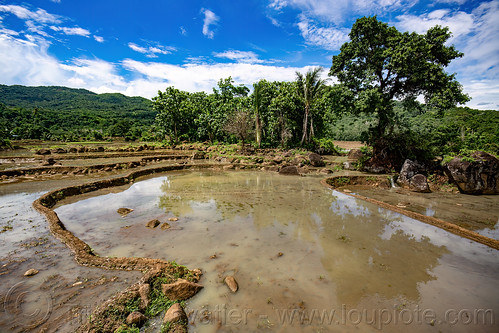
(307, 259)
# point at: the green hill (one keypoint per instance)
(60, 113)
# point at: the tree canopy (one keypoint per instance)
(380, 64)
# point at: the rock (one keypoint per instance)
(173, 219)
(31, 272)
(326, 171)
(355, 154)
(409, 170)
(198, 155)
(316, 160)
(48, 161)
(348, 166)
(231, 282)
(419, 183)
(278, 159)
(43, 151)
(375, 168)
(123, 211)
(100, 149)
(479, 176)
(165, 226)
(181, 289)
(174, 314)
(82, 149)
(73, 150)
(153, 224)
(58, 151)
(144, 291)
(289, 170)
(136, 318)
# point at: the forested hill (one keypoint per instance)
(59, 112)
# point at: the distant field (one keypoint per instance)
(349, 144)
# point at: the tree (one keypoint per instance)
(170, 111)
(257, 105)
(381, 64)
(241, 125)
(309, 88)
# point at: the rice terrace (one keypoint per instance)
(260, 193)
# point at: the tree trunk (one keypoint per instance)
(311, 128)
(258, 130)
(305, 127)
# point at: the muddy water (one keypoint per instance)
(307, 259)
(63, 294)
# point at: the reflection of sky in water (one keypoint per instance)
(346, 205)
(429, 211)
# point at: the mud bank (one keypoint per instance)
(339, 182)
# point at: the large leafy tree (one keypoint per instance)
(171, 107)
(310, 86)
(380, 64)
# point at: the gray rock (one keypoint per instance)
(479, 176)
(316, 160)
(409, 169)
(419, 183)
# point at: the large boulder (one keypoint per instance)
(136, 318)
(409, 170)
(478, 175)
(419, 183)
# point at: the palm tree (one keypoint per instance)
(309, 87)
(257, 102)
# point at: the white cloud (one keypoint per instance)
(337, 10)
(23, 13)
(76, 31)
(183, 31)
(99, 39)
(459, 23)
(240, 56)
(209, 19)
(152, 51)
(327, 38)
(476, 34)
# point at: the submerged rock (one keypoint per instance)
(181, 289)
(124, 211)
(152, 224)
(478, 176)
(231, 282)
(165, 226)
(31, 272)
(174, 314)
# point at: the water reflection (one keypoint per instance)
(338, 251)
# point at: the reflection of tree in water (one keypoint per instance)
(363, 264)
(358, 259)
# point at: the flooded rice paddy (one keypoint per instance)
(306, 258)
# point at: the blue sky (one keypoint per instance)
(139, 47)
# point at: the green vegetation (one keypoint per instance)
(59, 113)
(381, 72)
(381, 64)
